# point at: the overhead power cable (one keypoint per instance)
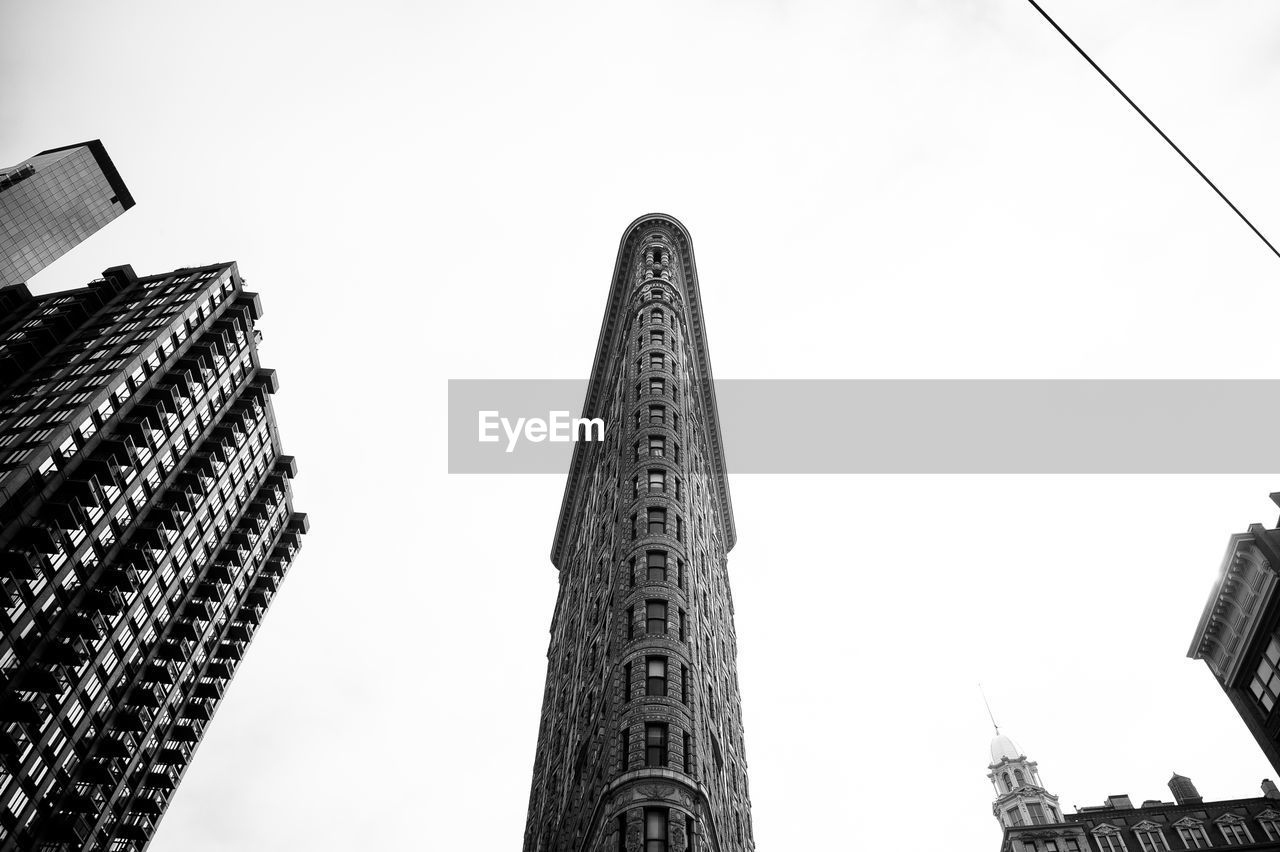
(1154, 126)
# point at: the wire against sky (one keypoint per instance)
(1154, 127)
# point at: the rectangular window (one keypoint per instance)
(626, 682)
(1234, 834)
(682, 626)
(655, 744)
(657, 446)
(657, 521)
(1152, 841)
(656, 563)
(655, 617)
(684, 684)
(1073, 845)
(1265, 685)
(657, 480)
(656, 681)
(657, 386)
(656, 361)
(624, 746)
(655, 830)
(657, 414)
(655, 337)
(1037, 813)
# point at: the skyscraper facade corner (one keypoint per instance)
(53, 201)
(640, 742)
(146, 522)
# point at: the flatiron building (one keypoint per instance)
(145, 524)
(640, 744)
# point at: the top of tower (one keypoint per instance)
(109, 170)
(1004, 748)
(611, 328)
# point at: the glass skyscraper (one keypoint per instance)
(145, 525)
(52, 202)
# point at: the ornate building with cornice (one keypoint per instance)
(640, 745)
(1238, 636)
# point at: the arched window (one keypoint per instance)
(1008, 785)
(1022, 781)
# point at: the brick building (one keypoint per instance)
(640, 744)
(145, 524)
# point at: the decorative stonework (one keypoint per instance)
(611, 743)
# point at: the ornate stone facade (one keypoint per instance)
(640, 744)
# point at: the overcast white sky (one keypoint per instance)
(877, 189)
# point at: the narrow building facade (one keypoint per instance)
(146, 521)
(640, 743)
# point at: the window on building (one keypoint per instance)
(1037, 813)
(657, 566)
(657, 520)
(1051, 846)
(1265, 685)
(682, 626)
(655, 744)
(626, 682)
(657, 480)
(657, 446)
(624, 746)
(656, 337)
(657, 386)
(1151, 838)
(1271, 827)
(684, 684)
(1008, 782)
(655, 830)
(1109, 839)
(655, 617)
(1193, 837)
(656, 682)
(1072, 844)
(656, 361)
(1236, 833)
(657, 414)
(1013, 816)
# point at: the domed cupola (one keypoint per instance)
(1021, 798)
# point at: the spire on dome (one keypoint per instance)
(1004, 748)
(1021, 797)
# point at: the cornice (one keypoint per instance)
(610, 340)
